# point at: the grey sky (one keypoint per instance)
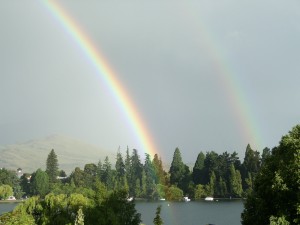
(166, 54)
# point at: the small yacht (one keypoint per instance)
(209, 199)
(186, 199)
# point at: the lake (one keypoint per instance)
(223, 212)
(7, 207)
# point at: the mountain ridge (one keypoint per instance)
(32, 154)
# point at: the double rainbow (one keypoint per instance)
(228, 80)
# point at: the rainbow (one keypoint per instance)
(105, 72)
(228, 80)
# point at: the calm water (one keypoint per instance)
(182, 213)
(7, 207)
(193, 213)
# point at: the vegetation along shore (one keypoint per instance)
(103, 193)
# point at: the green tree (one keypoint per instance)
(278, 221)
(8, 177)
(120, 166)
(251, 164)
(200, 191)
(39, 183)
(90, 174)
(114, 210)
(221, 187)
(174, 193)
(136, 172)
(265, 154)
(52, 166)
(108, 178)
(25, 182)
(177, 169)
(235, 182)
(16, 218)
(79, 217)
(210, 165)
(5, 191)
(249, 183)
(99, 170)
(160, 174)
(18, 192)
(212, 185)
(275, 196)
(157, 219)
(150, 176)
(77, 177)
(198, 170)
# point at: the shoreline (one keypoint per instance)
(11, 201)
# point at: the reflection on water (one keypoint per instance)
(192, 213)
(182, 213)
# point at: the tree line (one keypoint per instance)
(213, 174)
(273, 175)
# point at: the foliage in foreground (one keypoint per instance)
(74, 209)
(276, 194)
(157, 219)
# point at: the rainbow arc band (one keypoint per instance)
(105, 72)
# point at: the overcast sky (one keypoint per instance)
(204, 75)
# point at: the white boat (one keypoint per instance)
(162, 199)
(11, 198)
(129, 199)
(209, 199)
(186, 199)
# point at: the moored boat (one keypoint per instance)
(186, 199)
(209, 198)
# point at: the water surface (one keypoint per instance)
(7, 206)
(193, 213)
(181, 213)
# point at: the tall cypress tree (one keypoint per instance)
(198, 170)
(177, 169)
(235, 182)
(159, 171)
(107, 173)
(150, 175)
(52, 166)
(136, 170)
(120, 166)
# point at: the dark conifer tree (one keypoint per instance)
(107, 174)
(90, 174)
(136, 172)
(265, 154)
(179, 172)
(157, 219)
(251, 164)
(210, 165)
(150, 176)
(120, 166)
(52, 166)
(198, 170)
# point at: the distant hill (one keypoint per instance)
(70, 152)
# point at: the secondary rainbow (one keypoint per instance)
(228, 79)
(105, 72)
